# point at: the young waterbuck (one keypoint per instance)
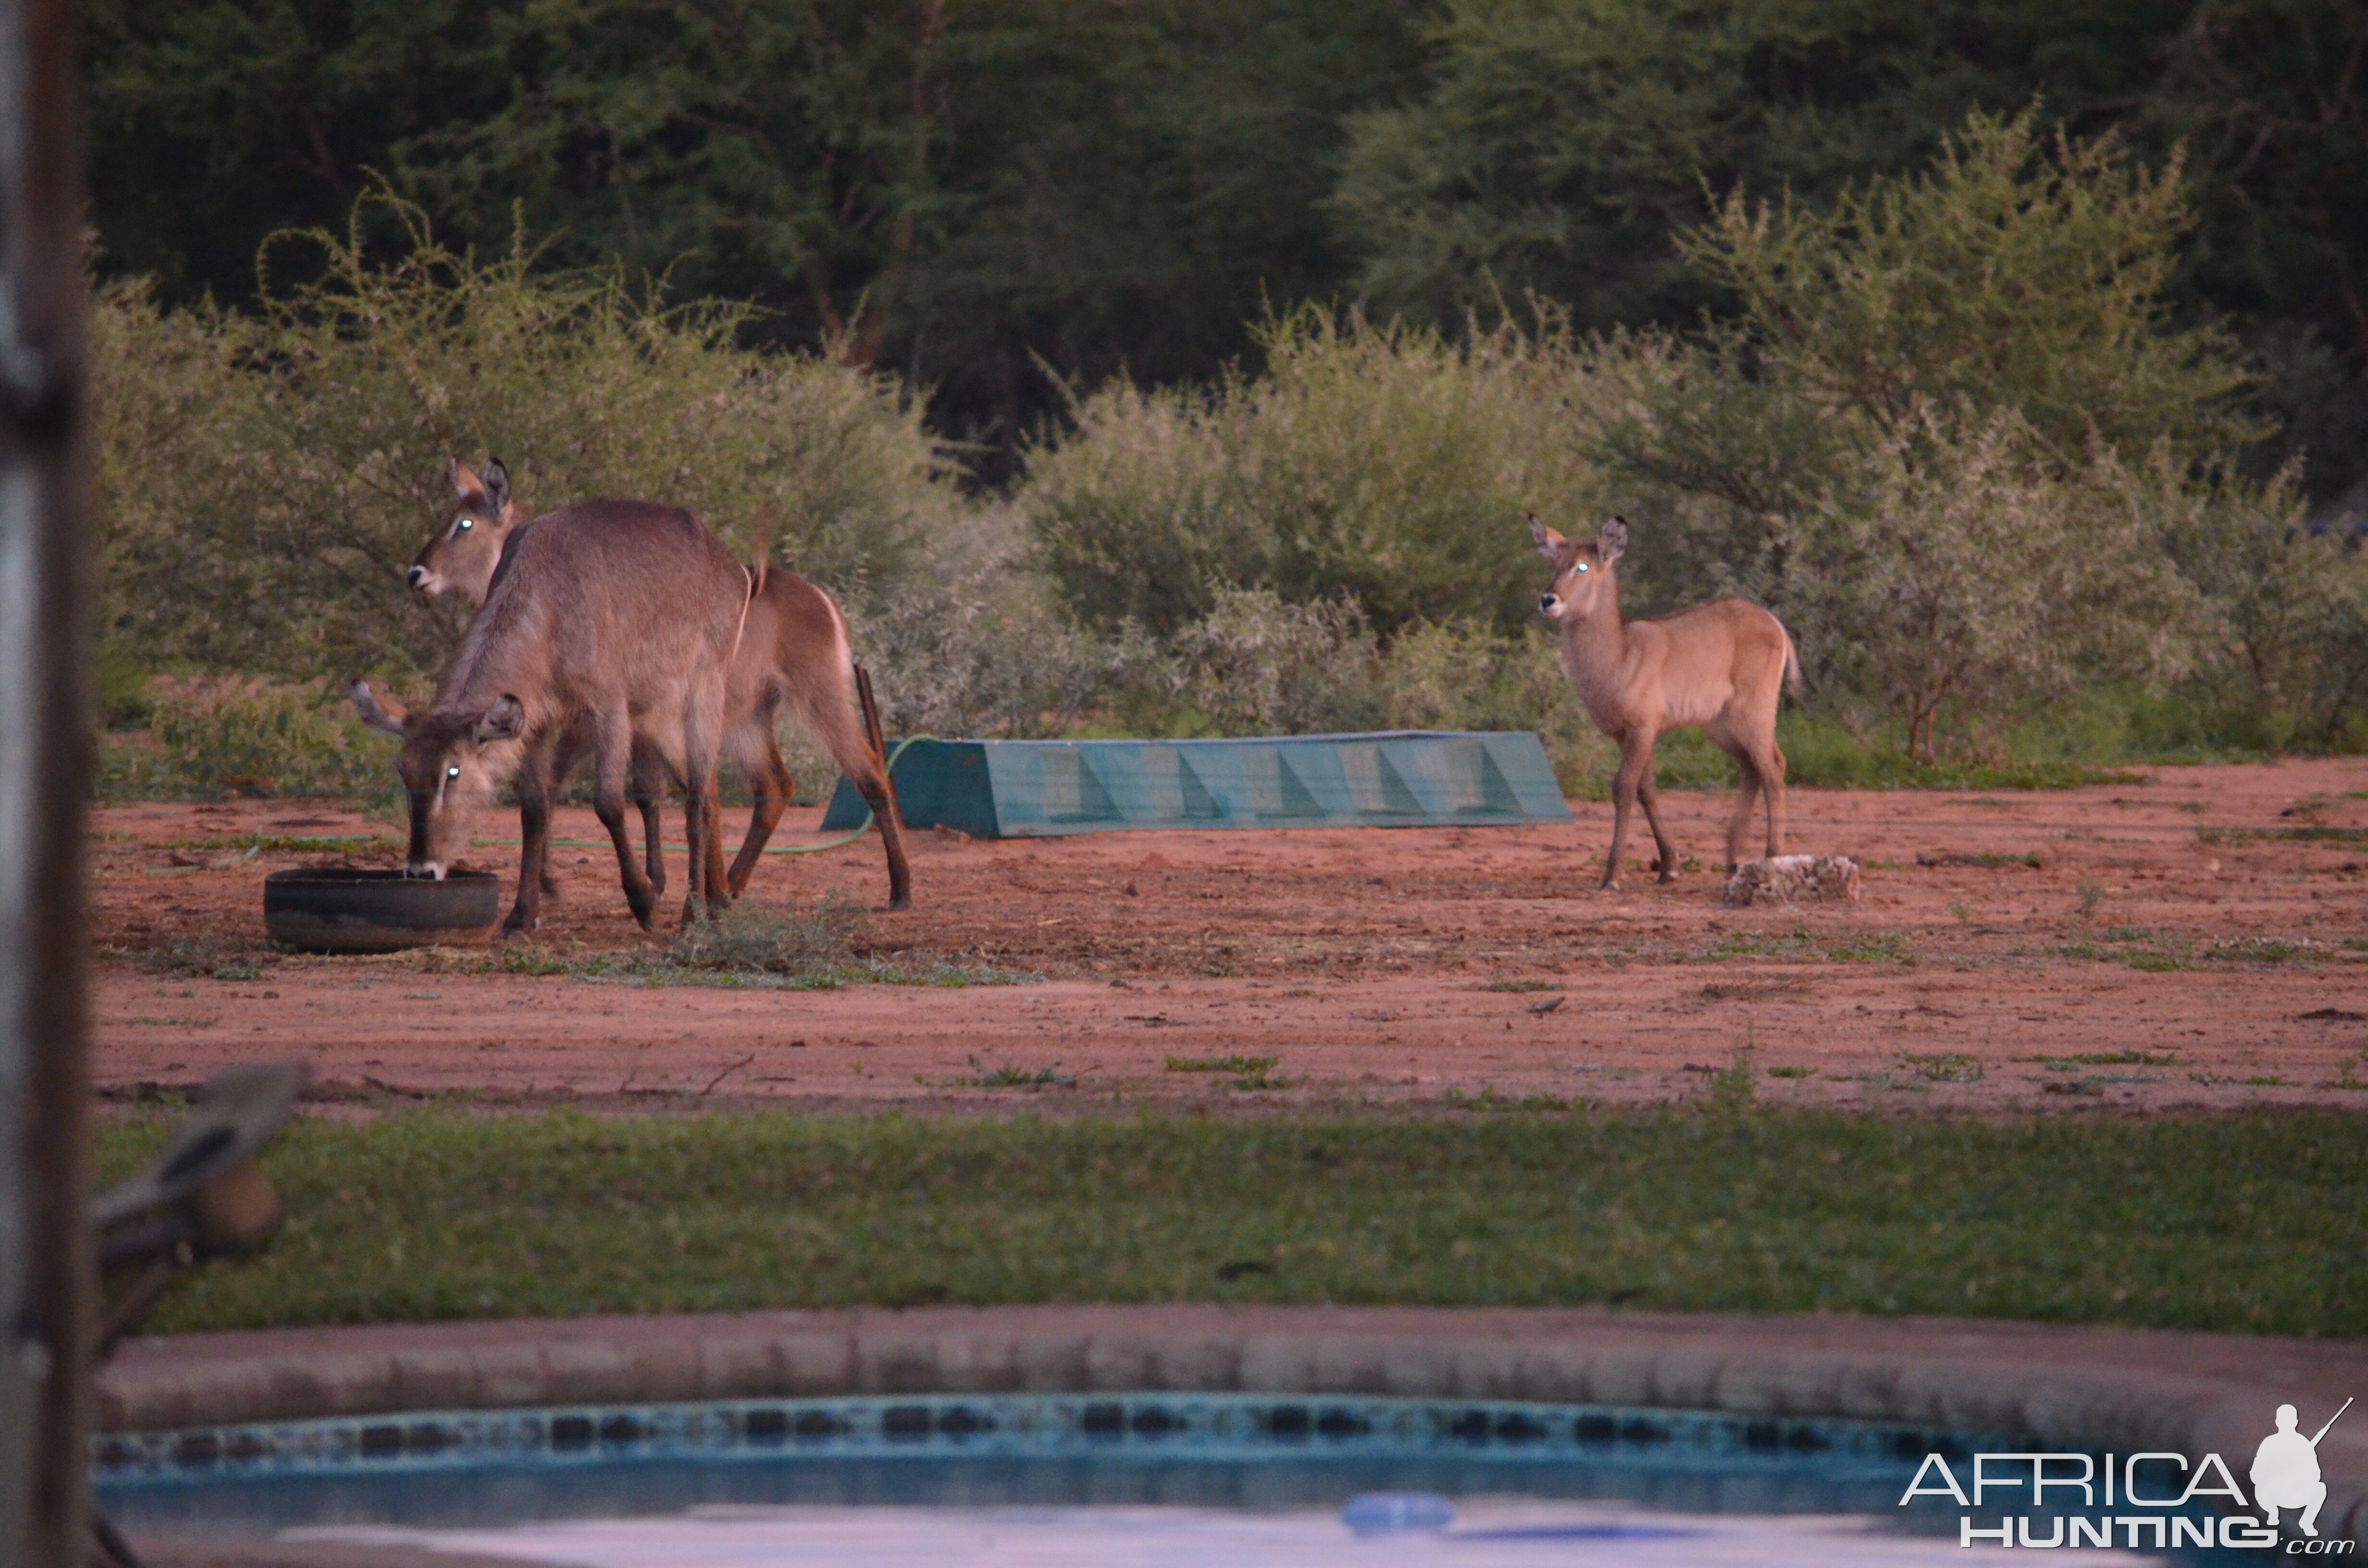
(793, 661)
(610, 626)
(1721, 665)
(468, 546)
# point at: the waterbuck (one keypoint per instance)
(610, 626)
(1721, 665)
(794, 660)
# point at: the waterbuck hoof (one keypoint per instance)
(1666, 875)
(897, 904)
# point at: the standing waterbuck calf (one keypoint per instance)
(1721, 665)
(610, 626)
(794, 660)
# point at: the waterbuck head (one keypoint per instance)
(461, 555)
(1583, 578)
(450, 764)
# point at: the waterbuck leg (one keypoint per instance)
(839, 711)
(698, 832)
(712, 881)
(703, 825)
(882, 798)
(1771, 764)
(703, 822)
(879, 792)
(566, 755)
(770, 782)
(1635, 761)
(533, 785)
(611, 758)
(1739, 825)
(1650, 794)
(647, 792)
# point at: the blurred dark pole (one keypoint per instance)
(45, 1288)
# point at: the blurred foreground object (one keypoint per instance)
(44, 782)
(201, 1197)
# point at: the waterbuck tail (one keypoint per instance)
(1792, 682)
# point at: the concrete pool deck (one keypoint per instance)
(2053, 1386)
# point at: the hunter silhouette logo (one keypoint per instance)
(2155, 1498)
(2285, 1470)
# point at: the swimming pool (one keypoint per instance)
(1164, 1478)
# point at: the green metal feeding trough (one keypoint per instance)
(1045, 788)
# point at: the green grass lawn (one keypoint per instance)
(2256, 1225)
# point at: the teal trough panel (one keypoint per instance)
(1045, 788)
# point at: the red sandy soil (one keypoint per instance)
(1378, 966)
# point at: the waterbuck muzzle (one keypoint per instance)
(449, 777)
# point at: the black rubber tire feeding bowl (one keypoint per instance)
(324, 909)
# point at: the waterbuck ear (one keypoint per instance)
(505, 721)
(1612, 542)
(1549, 543)
(388, 717)
(466, 486)
(497, 486)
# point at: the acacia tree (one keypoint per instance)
(1957, 574)
(2017, 273)
(1912, 438)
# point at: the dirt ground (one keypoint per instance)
(2196, 941)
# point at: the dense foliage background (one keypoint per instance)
(1170, 365)
(966, 188)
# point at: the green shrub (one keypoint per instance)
(1257, 666)
(216, 737)
(263, 482)
(1388, 463)
(1956, 581)
(1463, 676)
(971, 642)
(2284, 659)
(1956, 443)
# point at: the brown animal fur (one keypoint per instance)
(793, 659)
(1721, 665)
(610, 626)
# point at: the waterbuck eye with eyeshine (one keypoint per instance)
(466, 524)
(1582, 565)
(451, 773)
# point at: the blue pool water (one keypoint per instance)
(1157, 1479)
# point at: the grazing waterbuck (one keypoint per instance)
(1721, 665)
(610, 626)
(793, 661)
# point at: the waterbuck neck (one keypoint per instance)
(1603, 625)
(505, 651)
(1595, 656)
